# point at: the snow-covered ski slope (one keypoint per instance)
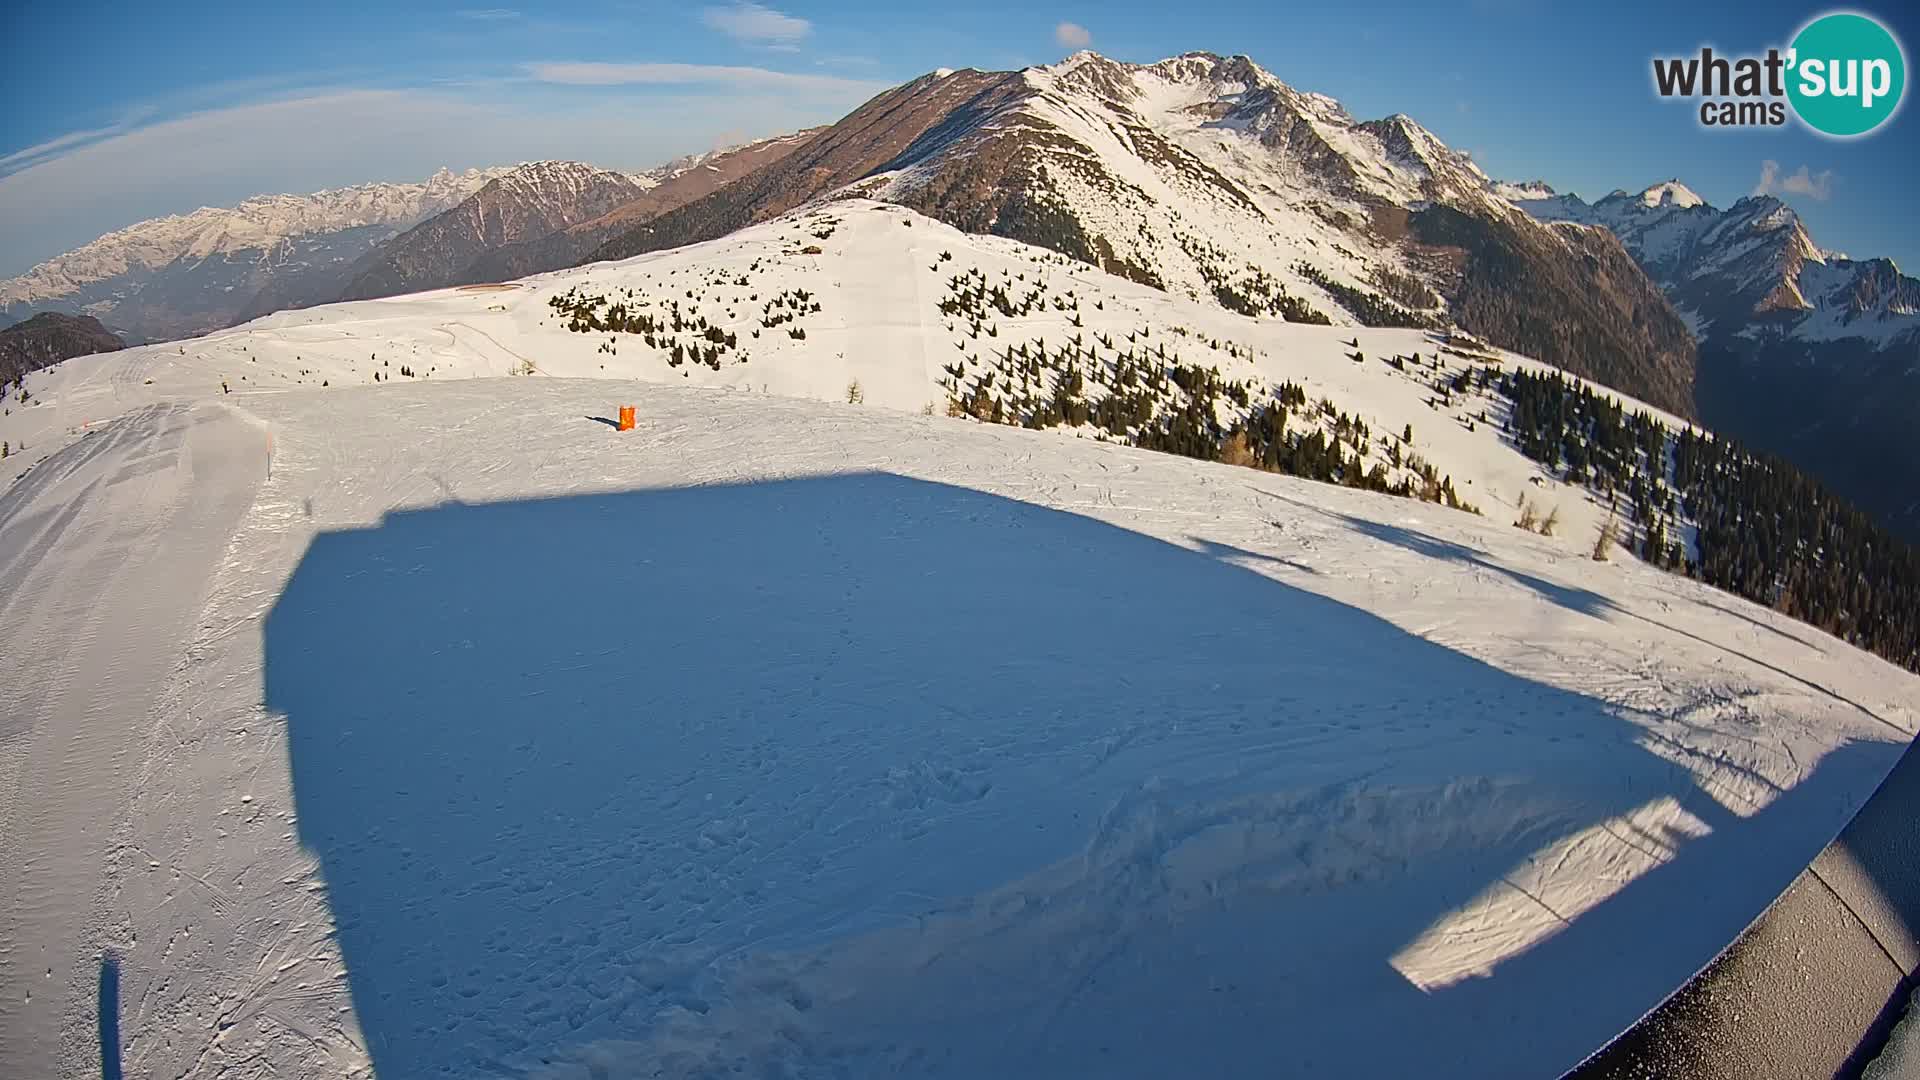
(802, 737)
(877, 275)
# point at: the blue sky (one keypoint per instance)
(119, 112)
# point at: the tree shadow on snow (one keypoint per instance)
(1582, 601)
(868, 775)
(1577, 600)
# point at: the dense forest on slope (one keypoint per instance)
(48, 338)
(1761, 528)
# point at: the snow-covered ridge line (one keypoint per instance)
(1739, 271)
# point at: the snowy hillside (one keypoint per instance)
(400, 716)
(857, 293)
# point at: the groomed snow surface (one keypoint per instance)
(805, 738)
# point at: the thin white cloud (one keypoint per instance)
(488, 14)
(592, 73)
(757, 24)
(33, 155)
(1817, 186)
(1072, 35)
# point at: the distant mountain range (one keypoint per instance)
(1750, 271)
(189, 273)
(1804, 352)
(1201, 175)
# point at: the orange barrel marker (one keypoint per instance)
(626, 418)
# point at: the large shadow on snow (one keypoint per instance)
(868, 775)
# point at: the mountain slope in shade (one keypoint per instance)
(676, 184)
(48, 338)
(1804, 352)
(189, 273)
(1209, 178)
(531, 201)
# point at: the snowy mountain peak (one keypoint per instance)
(1208, 177)
(1766, 213)
(1526, 191)
(1411, 144)
(1088, 72)
(1671, 193)
(560, 179)
(1753, 261)
(1190, 80)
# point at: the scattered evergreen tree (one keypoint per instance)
(1529, 519)
(1608, 535)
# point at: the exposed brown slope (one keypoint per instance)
(571, 245)
(879, 133)
(534, 200)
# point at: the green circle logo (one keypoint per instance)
(1848, 74)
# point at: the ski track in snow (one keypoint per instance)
(104, 555)
(802, 738)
